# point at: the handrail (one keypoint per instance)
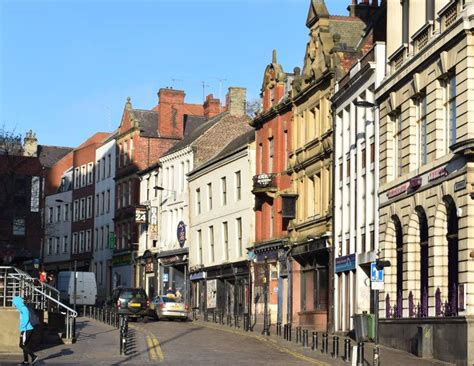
(73, 312)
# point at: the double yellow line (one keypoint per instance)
(154, 349)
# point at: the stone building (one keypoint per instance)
(355, 170)
(426, 178)
(331, 50)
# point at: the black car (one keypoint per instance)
(130, 301)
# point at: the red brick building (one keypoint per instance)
(82, 226)
(142, 137)
(274, 206)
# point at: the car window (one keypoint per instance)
(133, 294)
(167, 299)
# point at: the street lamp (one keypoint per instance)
(379, 266)
(158, 188)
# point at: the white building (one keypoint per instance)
(103, 218)
(58, 212)
(222, 227)
(356, 178)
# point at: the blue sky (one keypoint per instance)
(66, 67)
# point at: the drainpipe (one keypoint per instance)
(289, 304)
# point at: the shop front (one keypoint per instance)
(173, 272)
(122, 268)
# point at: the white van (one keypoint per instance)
(86, 287)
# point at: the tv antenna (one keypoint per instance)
(204, 86)
(220, 87)
(174, 80)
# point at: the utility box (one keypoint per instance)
(424, 341)
(371, 326)
(361, 327)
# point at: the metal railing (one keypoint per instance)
(15, 282)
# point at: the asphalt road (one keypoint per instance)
(198, 344)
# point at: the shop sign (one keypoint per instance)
(112, 241)
(397, 191)
(459, 186)
(140, 215)
(415, 183)
(437, 173)
(149, 265)
(346, 263)
(198, 276)
(181, 233)
(121, 260)
(171, 260)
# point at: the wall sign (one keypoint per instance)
(181, 233)
(437, 173)
(458, 186)
(345, 263)
(397, 191)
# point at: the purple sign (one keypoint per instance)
(181, 233)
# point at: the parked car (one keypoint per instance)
(165, 307)
(130, 301)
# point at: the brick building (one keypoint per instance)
(142, 137)
(271, 184)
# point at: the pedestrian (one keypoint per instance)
(170, 293)
(178, 294)
(27, 331)
(43, 276)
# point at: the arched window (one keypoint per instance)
(453, 264)
(399, 266)
(423, 226)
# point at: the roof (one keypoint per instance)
(195, 127)
(147, 120)
(232, 147)
(94, 139)
(49, 155)
(350, 29)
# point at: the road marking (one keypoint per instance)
(154, 347)
(157, 348)
(270, 343)
(151, 348)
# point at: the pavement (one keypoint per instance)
(196, 343)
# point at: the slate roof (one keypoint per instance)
(147, 120)
(49, 155)
(232, 147)
(349, 28)
(195, 127)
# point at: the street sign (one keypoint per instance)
(375, 274)
(377, 286)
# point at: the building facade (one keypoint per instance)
(426, 164)
(221, 229)
(104, 210)
(274, 202)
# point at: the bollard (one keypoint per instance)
(325, 343)
(335, 347)
(360, 354)
(314, 347)
(278, 329)
(305, 338)
(347, 350)
(297, 340)
(285, 331)
(289, 332)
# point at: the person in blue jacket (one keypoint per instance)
(26, 331)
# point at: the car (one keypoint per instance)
(130, 301)
(166, 307)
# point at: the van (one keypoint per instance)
(86, 287)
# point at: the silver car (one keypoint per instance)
(169, 307)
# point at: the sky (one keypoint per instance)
(67, 67)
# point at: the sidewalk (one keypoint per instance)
(96, 344)
(388, 356)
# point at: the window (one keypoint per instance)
(260, 158)
(56, 245)
(97, 171)
(364, 247)
(270, 155)
(109, 165)
(76, 210)
(131, 150)
(238, 186)
(225, 236)
(224, 190)
(211, 244)
(50, 215)
(130, 192)
(108, 200)
(397, 140)
(209, 196)
(102, 195)
(82, 212)
(198, 201)
(97, 204)
(118, 198)
(89, 207)
(81, 241)
(103, 237)
(430, 10)
(364, 155)
(238, 224)
(182, 181)
(125, 153)
(421, 141)
(102, 169)
(348, 167)
(65, 244)
(83, 176)
(450, 111)
(77, 178)
(74, 243)
(107, 236)
(50, 246)
(372, 154)
(405, 21)
(285, 149)
(66, 212)
(96, 240)
(341, 171)
(88, 240)
(58, 213)
(317, 193)
(372, 240)
(199, 240)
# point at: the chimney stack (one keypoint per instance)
(171, 112)
(212, 106)
(236, 101)
(30, 144)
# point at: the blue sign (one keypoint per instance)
(346, 263)
(375, 274)
(197, 276)
(181, 233)
(165, 277)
